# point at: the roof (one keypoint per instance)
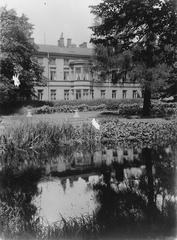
(65, 51)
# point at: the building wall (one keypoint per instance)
(82, 81)
(97, 92)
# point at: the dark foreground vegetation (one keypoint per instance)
(130, 211)
(125, 212)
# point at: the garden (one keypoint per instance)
(95, 169)
(76, 159)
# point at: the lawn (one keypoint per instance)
(60, 118)
(55, 118)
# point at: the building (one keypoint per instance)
(69, 75)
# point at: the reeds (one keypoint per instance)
(33, 144)
(83, 227)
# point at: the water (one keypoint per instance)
(67, 198)
(123, 189)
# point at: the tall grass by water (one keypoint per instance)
(33, 144)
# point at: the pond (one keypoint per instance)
(115, 191)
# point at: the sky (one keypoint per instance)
(52, 17)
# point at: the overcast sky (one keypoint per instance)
(51, 17)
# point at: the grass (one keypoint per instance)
(33, 143)
(16, 120)
(83, 227)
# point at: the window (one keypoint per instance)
(85, 93)
(66, 75)
(92, 93)
(78, 70)
(85, 73)
(78, 73)
(66, 62)
(53, 94)
(124, 94)
(40, 94)
(113, 93)
(52, 61)
(85, 69)
(125, 152)
(66, 94)
(78, 94)
(135, 94)
(52, 74)
(114, 153)
(103, 93)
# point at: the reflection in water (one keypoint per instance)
(16, 207)
(66, 198)
(127, 190)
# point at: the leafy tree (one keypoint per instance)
(17, 57)
(147, 29)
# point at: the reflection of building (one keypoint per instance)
(104, 156)
(69, 75)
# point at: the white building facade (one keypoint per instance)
(69, 76)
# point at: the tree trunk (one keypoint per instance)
(147, 157)
(147, 102)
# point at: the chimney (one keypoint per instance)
(83, 45)
(61, 41)
(69, 42)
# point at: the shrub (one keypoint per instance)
(163, 109)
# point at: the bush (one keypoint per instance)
(125, 107)
(163, 109)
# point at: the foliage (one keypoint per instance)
(147, 29)
(112, 107)
(17, 57)
(32, 145)
(17, 209)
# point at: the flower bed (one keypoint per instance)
(120, 107)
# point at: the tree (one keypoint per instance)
(147, 29)
(17, 57)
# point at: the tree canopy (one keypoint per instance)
(148, 30)
(17, 56)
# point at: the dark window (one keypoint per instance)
(66, 94)
(66, 75)
(124, 94)
(52, 73)
(135, 94)
(78, 94)
(53, 94)
(52, 61)
(66, 62)
(103, 93)
(113, 93)
(125, 152)
(85, 92)
(40, 94)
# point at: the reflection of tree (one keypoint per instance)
(134, 207)
(119, 210)
(16, 194)
(63, 184)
